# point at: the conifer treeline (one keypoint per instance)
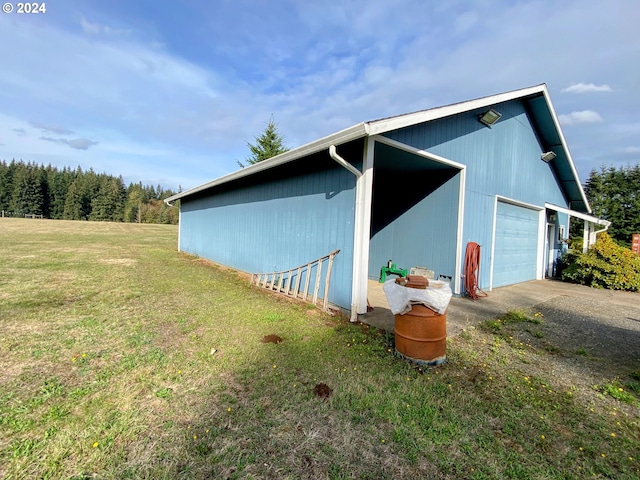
(31, 189)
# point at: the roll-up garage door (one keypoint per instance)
(516, 244)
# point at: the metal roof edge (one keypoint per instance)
(580, 215)
(574, 172)
(406, 120)
(351, 133)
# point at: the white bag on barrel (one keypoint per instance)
(436, 296)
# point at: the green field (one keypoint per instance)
(122, 358)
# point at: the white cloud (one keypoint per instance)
(634, 151)
(584, 116)
(77, 143)
(97, 29)
(586, 88)
(51, 128)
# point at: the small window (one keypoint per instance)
(561, 233)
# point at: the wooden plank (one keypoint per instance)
(297, 287)
(306, 282)
(287, 284)
(325, 301)
(317, 285)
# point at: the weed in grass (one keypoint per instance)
(164, 392)
(582, 352)
(633, 387)
(273, 317)
(56, 412)
(26, 447)
(616, 390)
(535, 333)
(511, 317)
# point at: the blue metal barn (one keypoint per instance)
(415, 188)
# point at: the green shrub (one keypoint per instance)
(605, 265)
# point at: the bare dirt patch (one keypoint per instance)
(322, 390)
(272, 339)
(118, 261)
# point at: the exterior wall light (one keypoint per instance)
(547, 156)
(490, 117)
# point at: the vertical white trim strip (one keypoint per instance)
(457, 288)
(362, 228)
(493, 243)
(542, 223)
(179, 226)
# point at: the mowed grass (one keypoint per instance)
(122, 358)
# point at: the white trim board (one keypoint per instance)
(580, 215)
(362, 226)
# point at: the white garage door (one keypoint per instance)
(516, 244)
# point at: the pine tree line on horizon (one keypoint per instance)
(32, 189)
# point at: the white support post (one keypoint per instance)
(362, 230)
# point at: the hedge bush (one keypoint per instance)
(605, 265)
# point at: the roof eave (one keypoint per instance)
(565, 147)
(393, 123)
(338, 138)
(580, 215)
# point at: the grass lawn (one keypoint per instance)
(122, 358)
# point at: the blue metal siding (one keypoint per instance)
(516, 246)
(501, 160)
(424, 235)
(277, 221)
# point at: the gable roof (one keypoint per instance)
(536, 100)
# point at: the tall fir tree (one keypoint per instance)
(267, 145)
(27, 198)
(6, 185)
(108, 203)
(614, 194)
(73, 209)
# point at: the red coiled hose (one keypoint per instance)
(472, 271)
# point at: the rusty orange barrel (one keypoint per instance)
(421, 336)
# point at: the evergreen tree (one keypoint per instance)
(135, 199)
(58, 187)
(108, 203)
(27, 195)
(614, 194)
(6, 185)
(46, 194)
(267, 145)
(73, 203)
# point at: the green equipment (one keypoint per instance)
(391, 269)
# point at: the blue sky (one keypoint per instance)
(170, 92)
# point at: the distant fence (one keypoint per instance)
(291, 284)
(7, 214)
